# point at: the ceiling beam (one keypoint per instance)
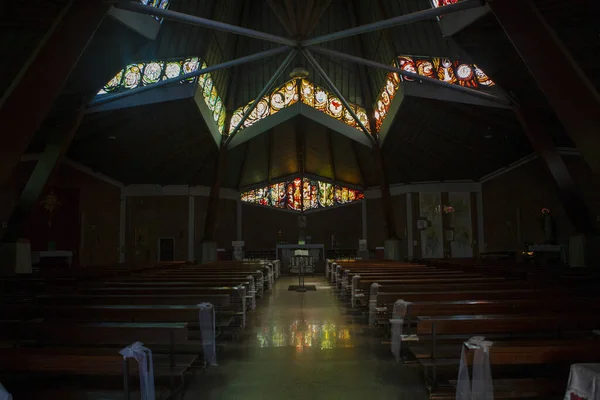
(262, 93)
(204, 22)
(227, 64)
(292, 18)
(337, 92)
(374, 64)
(395, 21)
(315, 16)
(280, 13)
(310, 5)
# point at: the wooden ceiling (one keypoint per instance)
(430, 140)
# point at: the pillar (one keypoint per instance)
(480, 224)
(209, 245)
(191, 227)
(122, 227)
(409, 226)
(238, 220)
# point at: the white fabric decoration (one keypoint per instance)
(207, 330)
(584, 382)
(355, 280)
(397, 321)
(481, 387)
(143, 356)
(4, 395)
(373, 302)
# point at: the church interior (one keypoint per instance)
(264, 199)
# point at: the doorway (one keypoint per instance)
(166, 249)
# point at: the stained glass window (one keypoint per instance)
(164, 4)
(311, 95)
(382, 107)
(446, 70)
(302, 194)
(283, 96)
(320, 99)
(143, 74)
(148, 73)
(442, 3)
(209, 92)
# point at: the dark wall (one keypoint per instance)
(152, 217)
(527, 189)
(92, 221)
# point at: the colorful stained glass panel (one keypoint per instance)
(302, 194)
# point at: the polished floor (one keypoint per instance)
(307, 346)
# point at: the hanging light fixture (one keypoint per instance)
(299, 72)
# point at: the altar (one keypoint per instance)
(284, 252)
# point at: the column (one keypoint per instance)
(238, 220)
(191, 227)
(122, 227)
(481, 238)
(364, 219)
(409, 226)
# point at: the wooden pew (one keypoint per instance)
(541, 352)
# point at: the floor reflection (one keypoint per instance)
(303, 334)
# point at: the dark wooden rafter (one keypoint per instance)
(574, 100)
(282, 15)
(310, 4)
(57, 142)
(574, 204)
(315, 15)
(390, 38)
(56, 57)
(292, 16)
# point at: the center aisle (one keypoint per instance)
(306, 346)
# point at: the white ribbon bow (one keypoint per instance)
(481, 387)
(207, 330)
(397, 322)
(143, 356)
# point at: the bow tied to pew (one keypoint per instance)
(480, 387)
(397, 322)
(207, 331)
(373, 302)
(143, 356)
(4, 395)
